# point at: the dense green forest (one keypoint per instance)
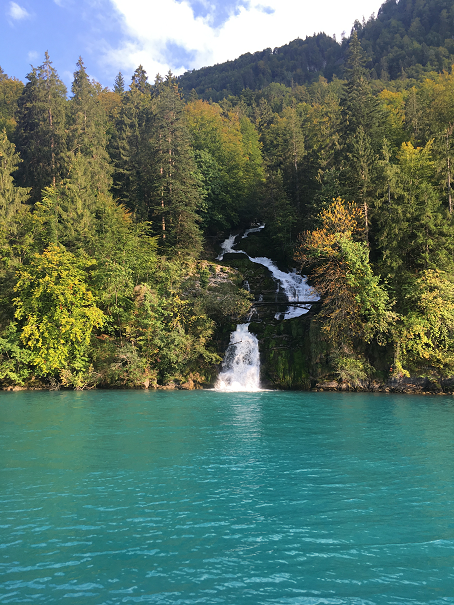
(405, 39)
(113, 204)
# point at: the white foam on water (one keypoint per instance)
(294, 286)
(241, 365)
(227, 246)
(253, 230)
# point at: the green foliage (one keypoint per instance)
(355, 305)
(15, 358)
(40, 136)
(352, 370)
(425, 336)
(10, 91)
(56, 311)
(371, 296)
(298, 62)
(11, 198)
(415, 230)
(176, 195)
(229, 158)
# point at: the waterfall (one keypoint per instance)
(241, 365)
(295, 286)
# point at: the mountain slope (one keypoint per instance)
(406, 38)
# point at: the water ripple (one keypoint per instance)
(269, 498)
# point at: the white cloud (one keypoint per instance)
(32, 55)
(152, 27)
(17, 12)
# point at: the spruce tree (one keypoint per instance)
(362, 131)
(359, 106)
(87, 132)
(176, 192)
(71, 209)
(416, 231)
(41, 130)
(12, 199)
(119, 85)
(129, 148)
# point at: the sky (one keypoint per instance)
(180, 35)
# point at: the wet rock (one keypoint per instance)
(328, 385)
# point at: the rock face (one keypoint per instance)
(285, 352)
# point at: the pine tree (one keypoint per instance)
(362, 130)
(41, 130)
(359, 106)
(11, 198)
(176, 194)
(69, 210)
(416, 232)
(119, 85)
(140, 80)
(286, 138)
(87, 132)
(129, 148)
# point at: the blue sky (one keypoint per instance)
(114, 35)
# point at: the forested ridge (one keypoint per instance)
(405, 39)
(113, 204)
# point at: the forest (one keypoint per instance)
(113, 203)
(406, 39)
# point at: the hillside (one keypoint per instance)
(406, 38)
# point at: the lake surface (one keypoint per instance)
(237, 498)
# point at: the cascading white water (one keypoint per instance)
(241, 365)
(295, 286)
(227, 246)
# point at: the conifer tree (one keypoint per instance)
(87, 133)
(71, 208)
(176, 193)
(359, 106)
(284, 144)
(140, 80)
(119, 85)
(11, 198)
(362, 130)
(416, 232)
(41, 130)
(129, 147)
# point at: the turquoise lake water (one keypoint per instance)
(231, 498)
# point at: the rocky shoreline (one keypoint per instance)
(411, 385)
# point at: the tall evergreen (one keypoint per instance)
(176, 193)
(362, 131)
(119, 84)
(41, 130)
(129, 147)
(87, 132)
(12, 198)
(416, 231)
(359, 106)
(72, 208)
